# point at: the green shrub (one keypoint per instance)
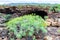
(55, 8)
(25, 25)
(5, 16)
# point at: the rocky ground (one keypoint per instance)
(54, 32)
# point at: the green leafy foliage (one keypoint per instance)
(26, 25)
(58, 31)
(55, 8)
(11, 38)
(5, 16)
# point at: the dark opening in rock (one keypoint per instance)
(40, 13)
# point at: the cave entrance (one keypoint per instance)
(40, 13)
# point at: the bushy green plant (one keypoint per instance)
(5, 16)
(26, 25)
(55, 8)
